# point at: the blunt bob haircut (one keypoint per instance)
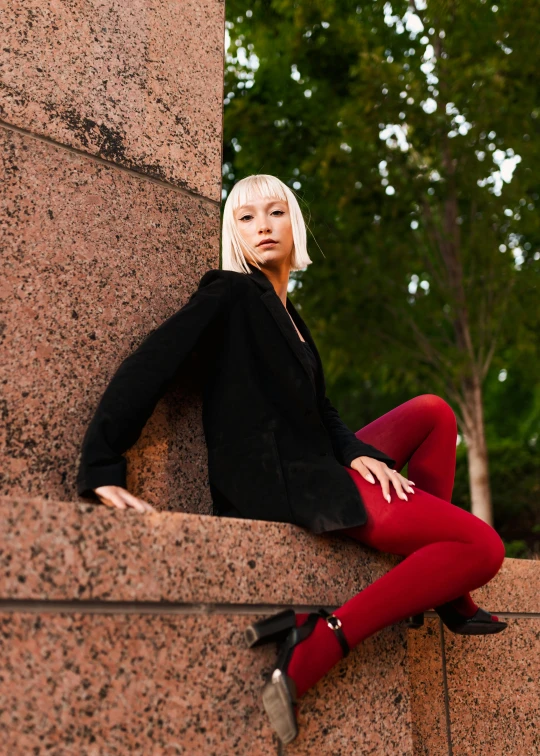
(234, 246)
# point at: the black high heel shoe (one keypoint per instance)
(272, 629)
(279, 694)
(479, 624)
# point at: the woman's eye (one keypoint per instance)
(248, 217)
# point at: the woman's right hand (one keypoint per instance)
(118, 498)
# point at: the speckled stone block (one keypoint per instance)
(139, 84)
(131, 684)
(185, 685)
(494, 692)
(430, 735)
(93, 259)
(63, 551)
(515, 588)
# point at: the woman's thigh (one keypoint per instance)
(401, 431)
(401, 527)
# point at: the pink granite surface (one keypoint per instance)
(93, 259)
(63, 551)
(494, 691)
(515, 588)
(154, 685)
(425, 664)
(139, 84)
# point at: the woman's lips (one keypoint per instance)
(267, 244)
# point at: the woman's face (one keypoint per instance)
(267, 218)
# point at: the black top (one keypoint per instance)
(312, 360)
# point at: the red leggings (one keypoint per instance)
(448, 551)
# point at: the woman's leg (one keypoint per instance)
(448, 552)
(422, 432)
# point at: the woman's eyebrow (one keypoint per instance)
(248, 207)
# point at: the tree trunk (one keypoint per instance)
(445, 233)
(477, 454)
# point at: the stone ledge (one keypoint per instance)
(64, 551)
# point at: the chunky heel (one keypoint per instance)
(279, 699)
(415, 621)
(272, 629)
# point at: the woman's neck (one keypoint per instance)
(279, 278)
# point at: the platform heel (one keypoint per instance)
(479, 624)
(273, 629)
(415, 621)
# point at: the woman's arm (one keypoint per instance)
(141, 380)
(346, 446)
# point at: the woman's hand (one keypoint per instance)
(385, 474)
(117, 497)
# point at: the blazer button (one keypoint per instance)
(323, 454)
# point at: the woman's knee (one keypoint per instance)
(438, 408)
(498, 551)
(492, 549)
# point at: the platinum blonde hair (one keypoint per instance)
(234, 246)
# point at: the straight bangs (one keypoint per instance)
(233, 246)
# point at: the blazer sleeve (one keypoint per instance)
(345, 444)
(141, 380)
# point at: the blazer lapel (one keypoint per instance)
(283, 320)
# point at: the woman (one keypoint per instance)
(278, 450)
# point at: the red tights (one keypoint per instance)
(448, 551)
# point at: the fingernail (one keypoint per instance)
(406, 497)
(370, 478)
(387, 497)
(410, 490)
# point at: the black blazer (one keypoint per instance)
(276, 445)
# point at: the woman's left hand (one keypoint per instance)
(385, 474)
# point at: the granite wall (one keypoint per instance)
(123, 633)
(110, 135)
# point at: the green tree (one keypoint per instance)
(410, 131)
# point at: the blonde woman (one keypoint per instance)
(278, 450)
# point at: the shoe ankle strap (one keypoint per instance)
(334, 623)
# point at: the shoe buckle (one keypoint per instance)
(333, 622)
